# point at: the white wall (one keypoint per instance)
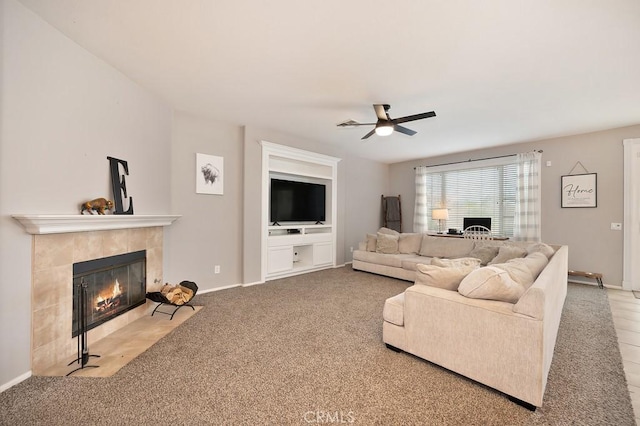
(593, 246)
(63, 112)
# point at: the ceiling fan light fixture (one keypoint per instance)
(384, 129)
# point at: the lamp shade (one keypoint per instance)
(384, 129)
(440, 214)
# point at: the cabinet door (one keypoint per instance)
(280, 259)
(322, 254)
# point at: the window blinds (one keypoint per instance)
(484, 191)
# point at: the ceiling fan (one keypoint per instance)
(385, 124)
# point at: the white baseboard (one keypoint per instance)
(595, 284)
(15, 381)
(218, 288)
(253, 283)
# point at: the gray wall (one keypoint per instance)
(592, 245)
(63, 112)
(366, 182)
(210, 229)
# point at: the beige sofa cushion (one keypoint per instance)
(508, 252)
(461, 261)
(386, 243)
(388, 231)
(380, 259)
(543, 248)
(484, 253)
(535, 261)
(393, 310)
(409, 243)
(448, 278)
(491, 283)
(518, 271)
(411, 262)
(372, 240)
(445, 247)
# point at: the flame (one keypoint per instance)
(116, 289)
(107, 298)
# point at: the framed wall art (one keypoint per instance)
(579, 190)
(209, 174)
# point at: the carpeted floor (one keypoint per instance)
(309, 349)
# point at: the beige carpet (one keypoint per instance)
(307, 350)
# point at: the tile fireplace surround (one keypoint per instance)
(54, 251)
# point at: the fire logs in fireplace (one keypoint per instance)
(115, 285)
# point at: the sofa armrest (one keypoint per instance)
(480, 339)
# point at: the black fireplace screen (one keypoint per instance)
(115, 285)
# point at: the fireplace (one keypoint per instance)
(114, 285)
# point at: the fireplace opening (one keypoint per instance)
(115, 285)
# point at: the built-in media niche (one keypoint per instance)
(293, 201)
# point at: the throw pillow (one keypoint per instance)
(409, 243)
(371, 242)
(462, 261)
(386, 244)
(388, 231)
(437, 276)
(445, 247)
(508, 252)
(536, 262)
(485, 254)
(518, 271)
(491, 283)
(543, 248)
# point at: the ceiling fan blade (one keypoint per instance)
(381, 111)
(353, 123)
(404, 130)
(414, 117)
(369, 134)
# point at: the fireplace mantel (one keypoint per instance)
(39, 224)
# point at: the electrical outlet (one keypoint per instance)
(616, 226)
(217, 269)
(351, 248)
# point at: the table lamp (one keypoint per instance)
(440, 215)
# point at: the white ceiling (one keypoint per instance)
(495, 71)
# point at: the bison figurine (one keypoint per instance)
(99, 205)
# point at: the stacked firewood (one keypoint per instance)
(177, 294)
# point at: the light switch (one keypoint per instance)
(548, 163)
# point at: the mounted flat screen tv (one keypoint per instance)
(293, 201)
(471, 221)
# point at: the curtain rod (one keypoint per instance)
(477, 159)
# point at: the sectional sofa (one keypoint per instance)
(487, 310)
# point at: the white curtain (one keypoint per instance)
(527, 213)
(420, 216)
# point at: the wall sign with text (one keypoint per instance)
(579, 190)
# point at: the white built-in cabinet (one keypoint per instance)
(295, 248)
(631, 266)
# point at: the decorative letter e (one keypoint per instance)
(119, 186)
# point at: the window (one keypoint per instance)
(487, 189)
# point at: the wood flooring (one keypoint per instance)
(625, 309)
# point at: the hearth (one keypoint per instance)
(115, 285)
